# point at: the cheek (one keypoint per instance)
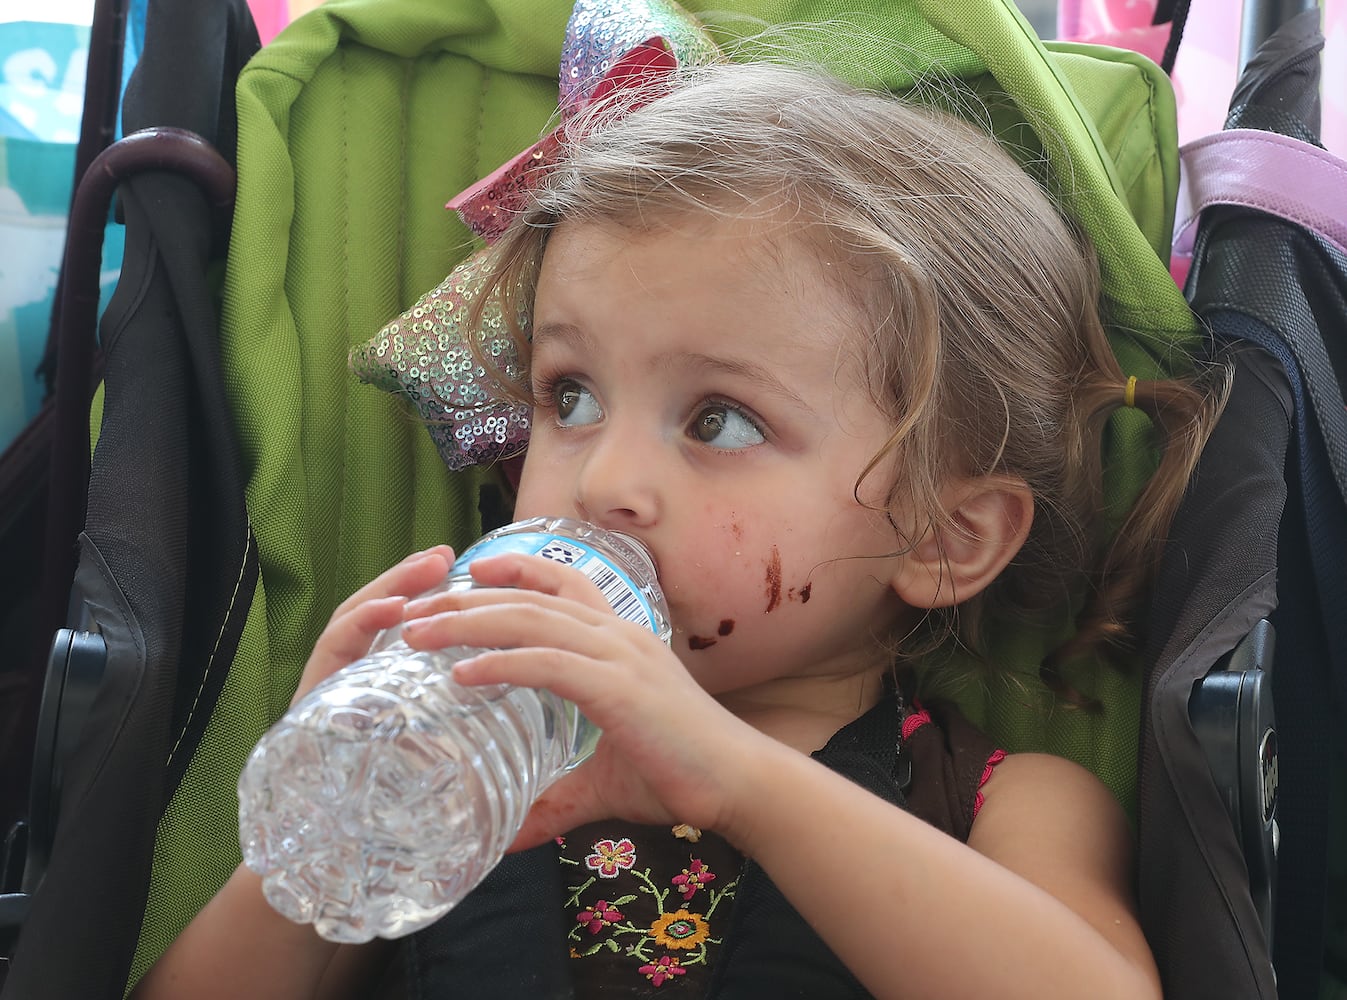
(542, 489)
(713, 551)
(739, 568)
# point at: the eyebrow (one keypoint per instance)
(750, 372)
(567, 334)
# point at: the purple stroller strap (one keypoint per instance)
(1285, 177)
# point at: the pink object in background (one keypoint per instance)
(1335, 76)
(1125, 24)
(1204, 72)
(270, 16)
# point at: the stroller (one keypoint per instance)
(243, 484)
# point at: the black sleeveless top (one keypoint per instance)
(621, 910)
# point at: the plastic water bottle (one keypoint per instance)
(385, 795)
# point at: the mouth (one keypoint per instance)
(639, 553)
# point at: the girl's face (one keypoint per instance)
(698, 387)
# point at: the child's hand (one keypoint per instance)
(375, 606)
(666, 742)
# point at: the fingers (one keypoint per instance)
(505, 619)
(376, 606)
(537, 574)
(446, 608)
(417, 573)
(574, 676)
(349, 634)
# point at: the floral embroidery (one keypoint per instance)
(680, 929)
(644, 919)
(694, 877)
(602, 914)
(666, 968)
(609, 858)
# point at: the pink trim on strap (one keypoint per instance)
(995, 758)
(1274, 173)
(915, 721)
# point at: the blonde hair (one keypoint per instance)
(983, 336)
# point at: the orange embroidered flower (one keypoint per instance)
(680, 929)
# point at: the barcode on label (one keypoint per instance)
(617, 592)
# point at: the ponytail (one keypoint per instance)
(1182, 413)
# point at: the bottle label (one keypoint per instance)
(618, 589)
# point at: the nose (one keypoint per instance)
(618, 483)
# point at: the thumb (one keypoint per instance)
(572, 801)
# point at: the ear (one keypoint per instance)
(989, 518)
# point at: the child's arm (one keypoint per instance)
(1037, 904)
(238, 946)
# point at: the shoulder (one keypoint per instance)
(1041, 798)
(1054, 823)
(1034, 789)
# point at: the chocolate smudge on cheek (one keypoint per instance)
(705, 642)
(774, 581)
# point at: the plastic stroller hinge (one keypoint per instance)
(1232, 714)
(75, 670)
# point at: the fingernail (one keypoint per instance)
(434, 550)
(416, 608)
(414, 626)
(425, 605)
(464, 669)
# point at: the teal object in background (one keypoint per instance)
(42, 71)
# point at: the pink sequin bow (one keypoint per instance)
(424, 353)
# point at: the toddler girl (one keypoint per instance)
(836, 360)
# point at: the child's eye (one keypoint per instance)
(575, 404)
(725, 426)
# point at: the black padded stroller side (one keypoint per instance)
(1257, 280)
(1239, 285)
(165, 498)
(31, 479)
(1216, 582)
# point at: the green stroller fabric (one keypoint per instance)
(357, 124)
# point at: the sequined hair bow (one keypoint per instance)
(425, 352)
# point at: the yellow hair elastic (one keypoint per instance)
(1130, 392)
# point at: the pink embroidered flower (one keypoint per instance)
(609, 858)
(666, 968)
(602, 914)
(693, 878)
